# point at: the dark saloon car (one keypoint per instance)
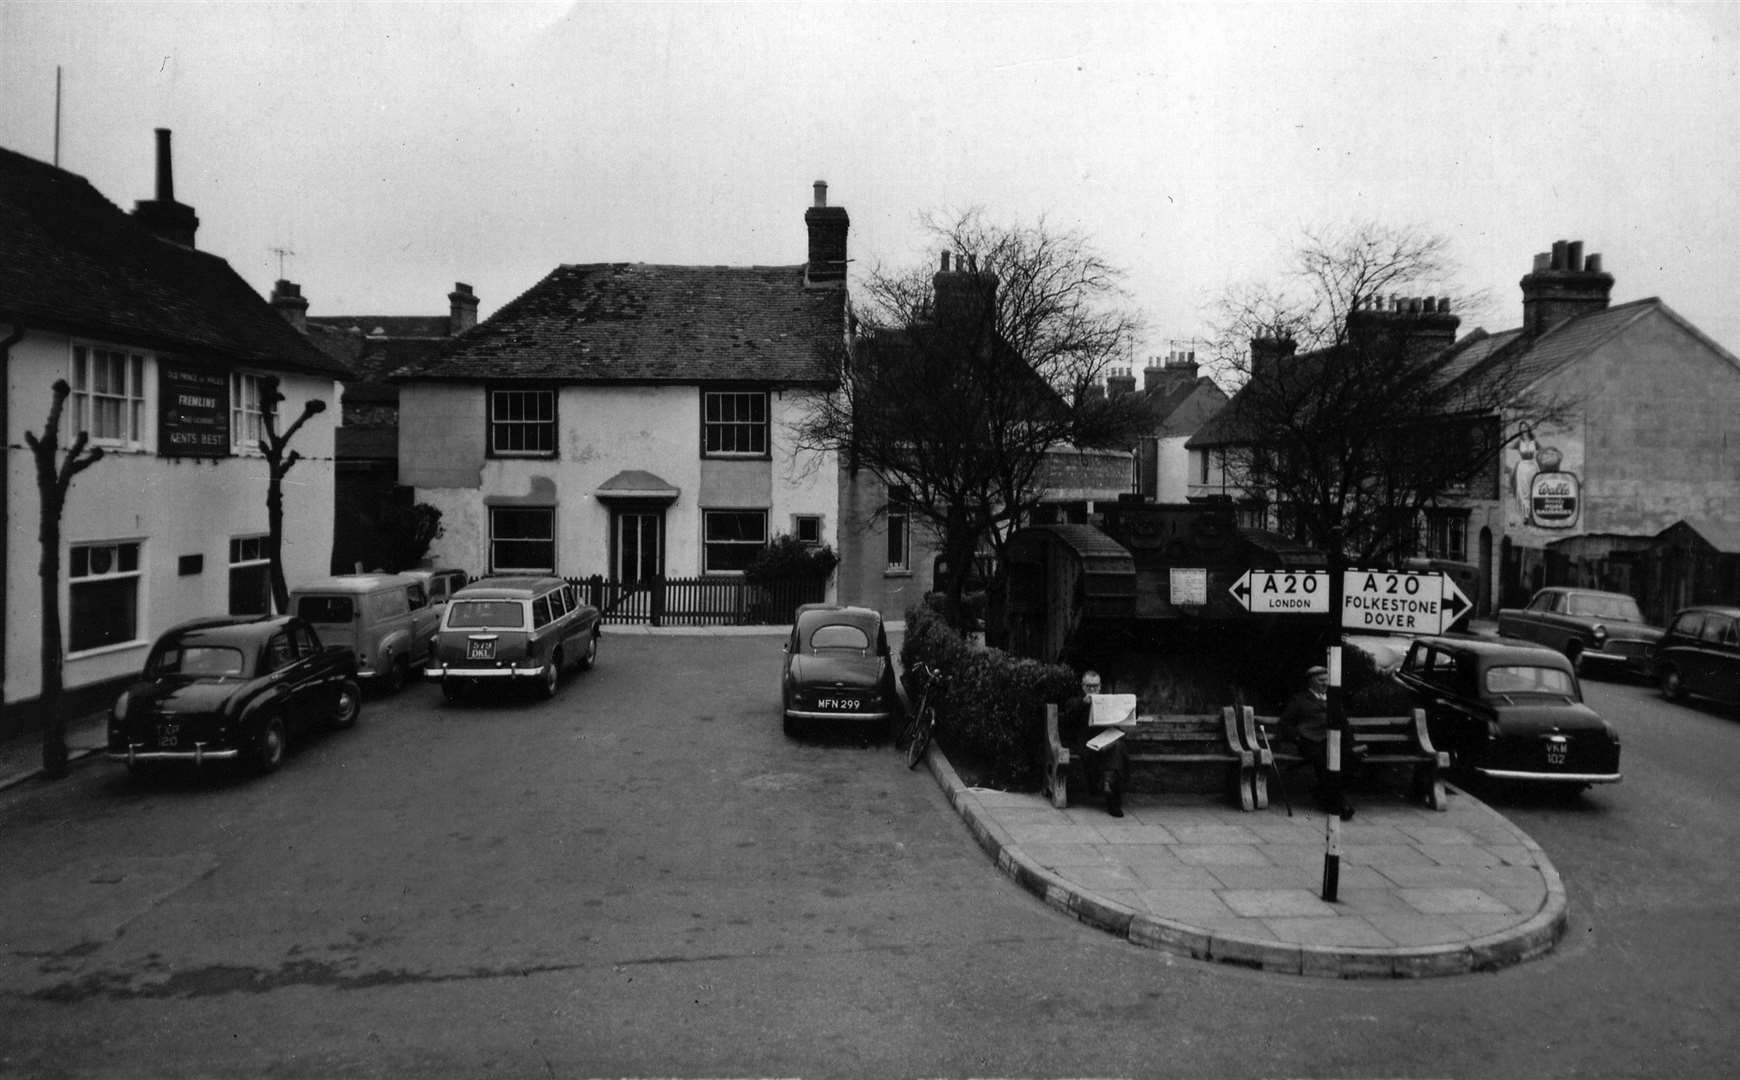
(838, 669)
(1700, 655)
(233, 688)
(1509, 711)
(1597, 630)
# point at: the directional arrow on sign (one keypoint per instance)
(1296, 592)
(1401, 601)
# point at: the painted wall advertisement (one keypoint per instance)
(193, 410)
(1544, 491)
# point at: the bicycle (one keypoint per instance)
(915, 735)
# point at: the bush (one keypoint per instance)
(991, 706)
(785, 558)
(406, 533)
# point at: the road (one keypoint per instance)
(644, 877)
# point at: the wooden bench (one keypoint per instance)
(1152, 743)
(1373, 741)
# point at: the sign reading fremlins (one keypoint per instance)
(193, 411)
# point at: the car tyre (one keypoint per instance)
(1672, 686)
(269, 750)
(590, 657)
(1574, 653)
(349, 705)
(452, 689)
(551, 677)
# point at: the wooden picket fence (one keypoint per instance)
(703, 601)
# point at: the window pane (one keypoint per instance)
(104, 612)
(251, 590)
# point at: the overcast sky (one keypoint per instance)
(396, 148)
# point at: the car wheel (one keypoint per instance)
(398, 672)
(452, 689)
(1574, 653)
(591, 655)
(349, 705)
(792, 729)
(269, 751)
(552, 675)
(1672, 687)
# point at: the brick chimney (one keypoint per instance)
(1423, 324)
(826, 268)
(163, 215)
(1120, 381)
(288, 301)
(1563, 286)
(1267, 354)
(462, 309)
(965, 296)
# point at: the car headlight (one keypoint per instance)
(1600, 633)
(119, 711)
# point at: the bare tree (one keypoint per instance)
(1359, 408)
(960, 381)
(272, 445)
(54, 476)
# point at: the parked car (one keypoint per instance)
(838, 669)
(440, 585)
(524, 630)
(1509, 711)
(235, 687)
(386, 619)
(1700, 655)
(1596, 630)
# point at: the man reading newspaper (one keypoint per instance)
(1088, 733)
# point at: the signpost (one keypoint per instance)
(1400, 602)
(1300, 592)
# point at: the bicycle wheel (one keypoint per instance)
(919, 742)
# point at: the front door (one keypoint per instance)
(637, 542)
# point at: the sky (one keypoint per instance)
(377, 153)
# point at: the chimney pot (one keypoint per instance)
(1592, 264)
(165, 170)
(1574, 256)
(1559, 247)
(164, 216)
(827, 226)
(461, 309)
(821, 193)
(1543, 262)
(945, 262)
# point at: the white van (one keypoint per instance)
(385, 619)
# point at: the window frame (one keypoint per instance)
(78, 579)
(245, 408)
(239, 560)
(897, 519)
(496, 566)
(799, 523)
(762, 427)
(133, 417)
(551, 426)
(748, 547)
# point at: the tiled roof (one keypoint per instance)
(72, 262)
(638, 323)
(394, 326)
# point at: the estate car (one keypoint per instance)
(515, 630)
(229, 688)
(1700, 655)
(1595, 629)
(1509, 711)
(838, 669)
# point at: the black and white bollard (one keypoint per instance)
(1332, 756)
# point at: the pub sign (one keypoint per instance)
(193, 410)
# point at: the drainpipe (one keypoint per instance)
(6, 344)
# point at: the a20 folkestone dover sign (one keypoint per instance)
(1393, 600)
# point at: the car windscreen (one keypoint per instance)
(199, 661)
(1617, 608)
(326, 609)
(1512, 679)
(839, 637)
(494, 614)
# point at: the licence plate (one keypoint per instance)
(168, 735)
(843, 704)
(480, 650)
(1556, 752)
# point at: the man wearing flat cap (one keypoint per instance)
(1306, 718)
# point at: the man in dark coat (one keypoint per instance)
(1104, 769)
(1306, 719)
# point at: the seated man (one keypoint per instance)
(1103, 769)
(1306, 719)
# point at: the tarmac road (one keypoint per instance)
(644, 877)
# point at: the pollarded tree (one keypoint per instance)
(273, 445)
(54, 477)
(960, 381)
(1360, 409)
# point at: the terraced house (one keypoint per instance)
(167, 352)
(632, 421)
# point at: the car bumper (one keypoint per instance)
(1639, 662)
(445, 672)
(199, 755)
(842, 717)
(1549, 777)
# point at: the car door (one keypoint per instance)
(289, 679)
(425, 619)
(1704, 675)
(318, 679)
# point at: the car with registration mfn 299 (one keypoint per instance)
(838, 670)
(1596, 630)
(1700, 655)
(1509, 711)
(513, 630)
(233, 688)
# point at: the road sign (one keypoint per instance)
(1393, 600)
(1297, 591)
